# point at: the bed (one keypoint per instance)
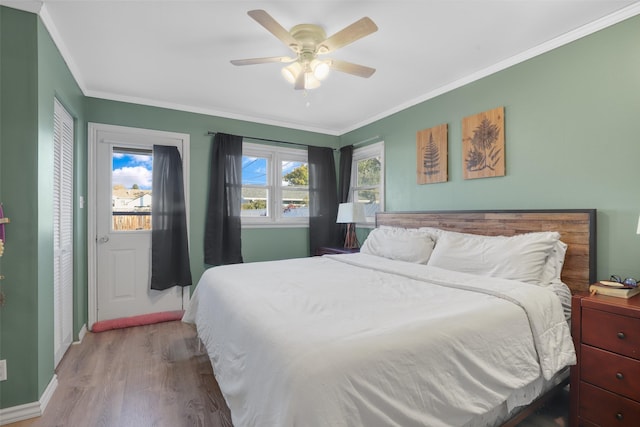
(394, 336)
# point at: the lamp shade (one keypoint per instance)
(350, 213)
(638, 230)
(320, 69)
(310, 81)
(291, 72)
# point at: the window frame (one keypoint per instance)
(275, 155)
(363, 153)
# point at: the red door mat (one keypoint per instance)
(143, 319)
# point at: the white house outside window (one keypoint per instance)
(275, 186)
(367, 179)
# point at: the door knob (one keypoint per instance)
(103, 239)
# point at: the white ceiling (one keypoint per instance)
(176, 54)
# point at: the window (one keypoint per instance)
(131, 178)
(275, 186)
(367, 179)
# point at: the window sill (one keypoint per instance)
(275, 225)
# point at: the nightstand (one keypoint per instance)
(605, 384)
(325, 250)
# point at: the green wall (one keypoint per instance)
(572, 119)
(19, 184)
(33, 73)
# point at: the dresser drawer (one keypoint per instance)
(607, 409)
(610, 371)
(614, 332)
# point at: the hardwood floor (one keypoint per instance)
(143, 376)
(155, 376)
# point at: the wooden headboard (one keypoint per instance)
(577, 228)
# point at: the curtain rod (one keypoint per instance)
(373, 138)
(270, 140)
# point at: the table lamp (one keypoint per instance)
(350, 214)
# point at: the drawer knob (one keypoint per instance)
(621, 335)
(619, 416)
(619, 375)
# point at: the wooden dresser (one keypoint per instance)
(605, 384)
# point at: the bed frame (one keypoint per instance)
(577, 228)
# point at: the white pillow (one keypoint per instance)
(402, 244)
(553, 267)
(434, 232)
(521, 257)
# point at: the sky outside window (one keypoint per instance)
(254, 170)
(132, 168)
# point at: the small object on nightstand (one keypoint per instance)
(618, 292)
(610, 283)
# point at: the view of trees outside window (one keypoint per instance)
(295, 191)
(131, 178)
(367, 185)
(286, 196)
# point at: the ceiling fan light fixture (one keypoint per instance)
(320, 69)
(310, 81)
(291, 72)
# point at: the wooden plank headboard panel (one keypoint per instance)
(577, 228)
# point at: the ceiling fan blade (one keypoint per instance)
(351, 68)
(349, 34)
(266, 60)
(271, 25)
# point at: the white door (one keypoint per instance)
(62, 231)
(122, 177)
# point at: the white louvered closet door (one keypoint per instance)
(62, 231)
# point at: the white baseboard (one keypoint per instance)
(48, 393)
(29, 410)
(81, 334)
(19, 413)
(35, 409)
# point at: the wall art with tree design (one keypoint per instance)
(431, 154)
(483, 144)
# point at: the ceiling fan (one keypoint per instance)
(308, 42)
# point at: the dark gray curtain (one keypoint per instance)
(344, 180)
(323, 199)
(169, 240)
(222, 242)
(344, 173)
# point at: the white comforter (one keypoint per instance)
(358, 340)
